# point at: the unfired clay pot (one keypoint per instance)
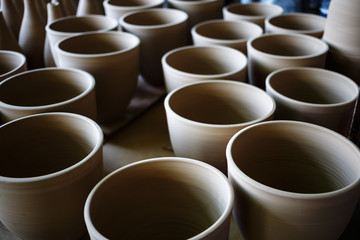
(161, 198)
(160, 30)
(75, 25)
(117, 8)
(198, 10)
(304, 23)
(228, 33)
(271, 52)
(252, 12)
(47, 90)
(11, 63)
(198, 63)
(114, 63)
(49, 164)
(314, 95)
(203, 116)
(293, 180)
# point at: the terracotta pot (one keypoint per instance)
(11, 63)
(49, 164)
(271, 52)
(117, 8)
(304, 23)
(203, 116)
(197, 63)
(114, 63)
(160, 30)
(75, 25)
(47, 90)
(252, 12)
(293, 180)
(198, 10)
(162, 198)
(314, 95)
(234, 34)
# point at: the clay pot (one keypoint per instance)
(203, 116)
(89, 7)
(47, 90)
(234, 34)
(49, 164)
(11, 63)
(252, 12)
(197, 63)
(304, 23)
(75, 25)
(342, 34)
(314, 95)
(271, 52)
(198, 10)
(162, 198)
(32, 34)
(117, 8)
(160, 30)
(114, 63)
(8, 39)
(293, 180)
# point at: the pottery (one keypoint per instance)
(161, 198)
(342, 34)
(198, 10)
(49, 164)
(342, 28)
(271, 52)
(203, 116)
(54, 11)
(114, 63)
(252, 12)
(89, 7)
(314, 95)
(304, 23)
(198, 63)
(47, 90)
(69, 7)
(160, 30)
(11, 63)
(8, 40)
(117, 8)
(32, 35)
(293, 180)
(234, 34)
(12, 16)
(75, 25)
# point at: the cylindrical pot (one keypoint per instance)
(234, 34)
(203, 116)
(314, 95)
(114, 63)
(198, 10)
(198, 63)
(271, 52)
(47, 90)
(49, 164)
(161, 198)
(160, 30)
(252, 12)
(11, 63)
(117, 8)
(293, 180)
(75, 25)
(304, 23)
